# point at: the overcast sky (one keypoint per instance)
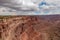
(28, 2)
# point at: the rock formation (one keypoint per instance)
(30, 28)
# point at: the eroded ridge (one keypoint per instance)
(29, 28)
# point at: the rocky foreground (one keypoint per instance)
(30, 28)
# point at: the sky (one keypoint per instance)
(29, 3)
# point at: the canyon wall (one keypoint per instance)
(30, 28)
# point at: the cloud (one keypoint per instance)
(10, 11)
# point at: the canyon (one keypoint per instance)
(30, 27)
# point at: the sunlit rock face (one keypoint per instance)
(30, 28)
